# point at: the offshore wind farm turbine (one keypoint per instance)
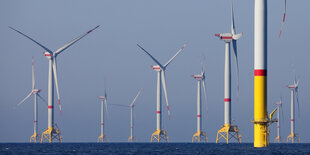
(53, 132)
(200, 135)
(131, 138)
(228, 131)
(35, 92)
(104, 103)
(278, 139)
(160, 134)
(293, 136)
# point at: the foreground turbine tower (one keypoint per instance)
(261, 120)
(53, 132)
(103, 137)
(200, 135)
(278, 139)
(293, 136)
(35, 92)
(228, 130)
(261, 134)
(161, 134)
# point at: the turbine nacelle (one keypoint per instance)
(156, 68)
(198, 77)
(228, 37)
(101, 97)
(292, 86)
(36, 91)
(47, 55)
(278, 103)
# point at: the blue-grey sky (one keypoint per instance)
(110, 53)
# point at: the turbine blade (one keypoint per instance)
(297, 100)
(176, 54)
(134, 100)
(282, 111)
(33, 79)
(205, 95)
(106, 106)
(294, 73)
(233, 31)
(56, 83)
(121, 105)
(165, 90)
(284, 14)
(42, 99)
(237, 66)
(161, 66)
(203, 64)
(61, 49)
(24, 99)
(105, 93)
(48, 50)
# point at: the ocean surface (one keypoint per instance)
(151, 148)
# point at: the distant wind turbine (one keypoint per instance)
(131, 138)
(161, 134)
(104, 103)
(35, 92)
(228, 131)
(200, 135)
(278, 139)
(293, 136)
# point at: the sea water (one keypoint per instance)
(151, 148)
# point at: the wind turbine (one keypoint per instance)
(293, 136)
(161, 134)
(278, 139)
(104, 102)
(53, 132)
(200, 135)
(35, 92)
(131, 138)
(228, 131)
(261, 120)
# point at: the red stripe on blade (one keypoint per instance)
(158, 112)
(198, 115)
(50, 107)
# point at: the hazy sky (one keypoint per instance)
(110, 53)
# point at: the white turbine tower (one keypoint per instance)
(278, 139)
(104, 103)
(228, 129)
(161, 134)
(35, 92)
(53, 132)
(200, 135)
(293, 136)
